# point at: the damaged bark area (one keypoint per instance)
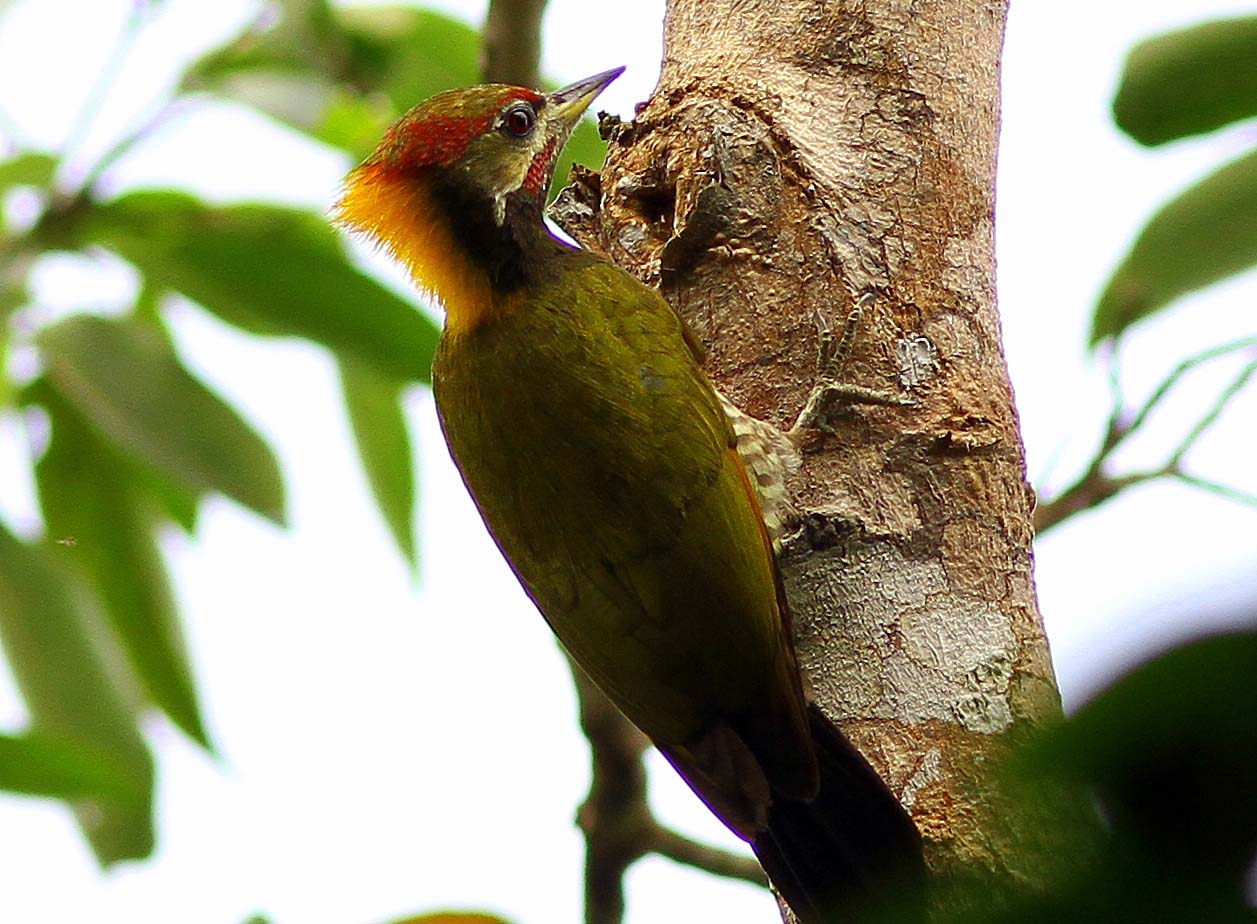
(796, 154)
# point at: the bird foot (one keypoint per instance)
(829, 391)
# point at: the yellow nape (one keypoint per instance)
(396, 213)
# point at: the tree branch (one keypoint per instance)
(615, 812)
(616, 819)
(512, 42)
(1095, 486)
(668, 843)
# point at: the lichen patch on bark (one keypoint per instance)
(921, 651)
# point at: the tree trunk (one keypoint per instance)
(795, 154)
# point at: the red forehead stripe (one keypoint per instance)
(439, 130)
(441, 139)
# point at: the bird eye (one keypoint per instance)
(519, 120)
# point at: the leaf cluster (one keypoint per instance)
(1169, 752)
(127, 442)
(1173, 87)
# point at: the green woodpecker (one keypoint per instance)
(601, 461)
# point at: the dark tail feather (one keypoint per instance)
(850, 855)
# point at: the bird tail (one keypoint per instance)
(852, 854)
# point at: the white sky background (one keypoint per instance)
(390, 746)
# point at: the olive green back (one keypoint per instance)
(601, 461)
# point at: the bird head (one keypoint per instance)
(460, 157)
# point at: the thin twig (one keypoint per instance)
(1176, 374)
(1094, 487)
(1214, 487)
(162, 114)
(1113, 427)
(1089, 491)
(668, 843)
(104, 82)
(1210, 417)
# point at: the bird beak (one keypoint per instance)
(571, 102)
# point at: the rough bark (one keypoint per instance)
(795, 154)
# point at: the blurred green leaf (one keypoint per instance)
(1204, 235)
(1189, 82)
(93, 503)
(14, 292)
(374, 404)
(342, 75)
(43, 764)
(179, 503)
(268, 270)
(1173, 748)
(29, 169)
(1171, 751)
(123, 377)
(410, 54)
(58, 652)
(585, 147)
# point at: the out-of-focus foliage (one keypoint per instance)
(1204, 235)
(453, 917)
(1170, 751)
(268, 270)
(129, 441)
(374, 406)
(1189, 82)
(1185, 83)
(101, 506)
(67, 668)
(344, 74)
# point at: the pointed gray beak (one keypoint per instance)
(571, 102)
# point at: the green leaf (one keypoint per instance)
(180, 504)
(268, 270)
(123, 377)
(1173, 748)
(59, 654)
(43, 764)
(1189, 82)
(374, 404)
(410, 54)
(1201, 237)
(342, 75)
(96, 505)
(585, 147)
(29, 169)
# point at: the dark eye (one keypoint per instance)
(519, 120)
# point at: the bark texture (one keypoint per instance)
(795, 154)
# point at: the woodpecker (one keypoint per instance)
(605, 469)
